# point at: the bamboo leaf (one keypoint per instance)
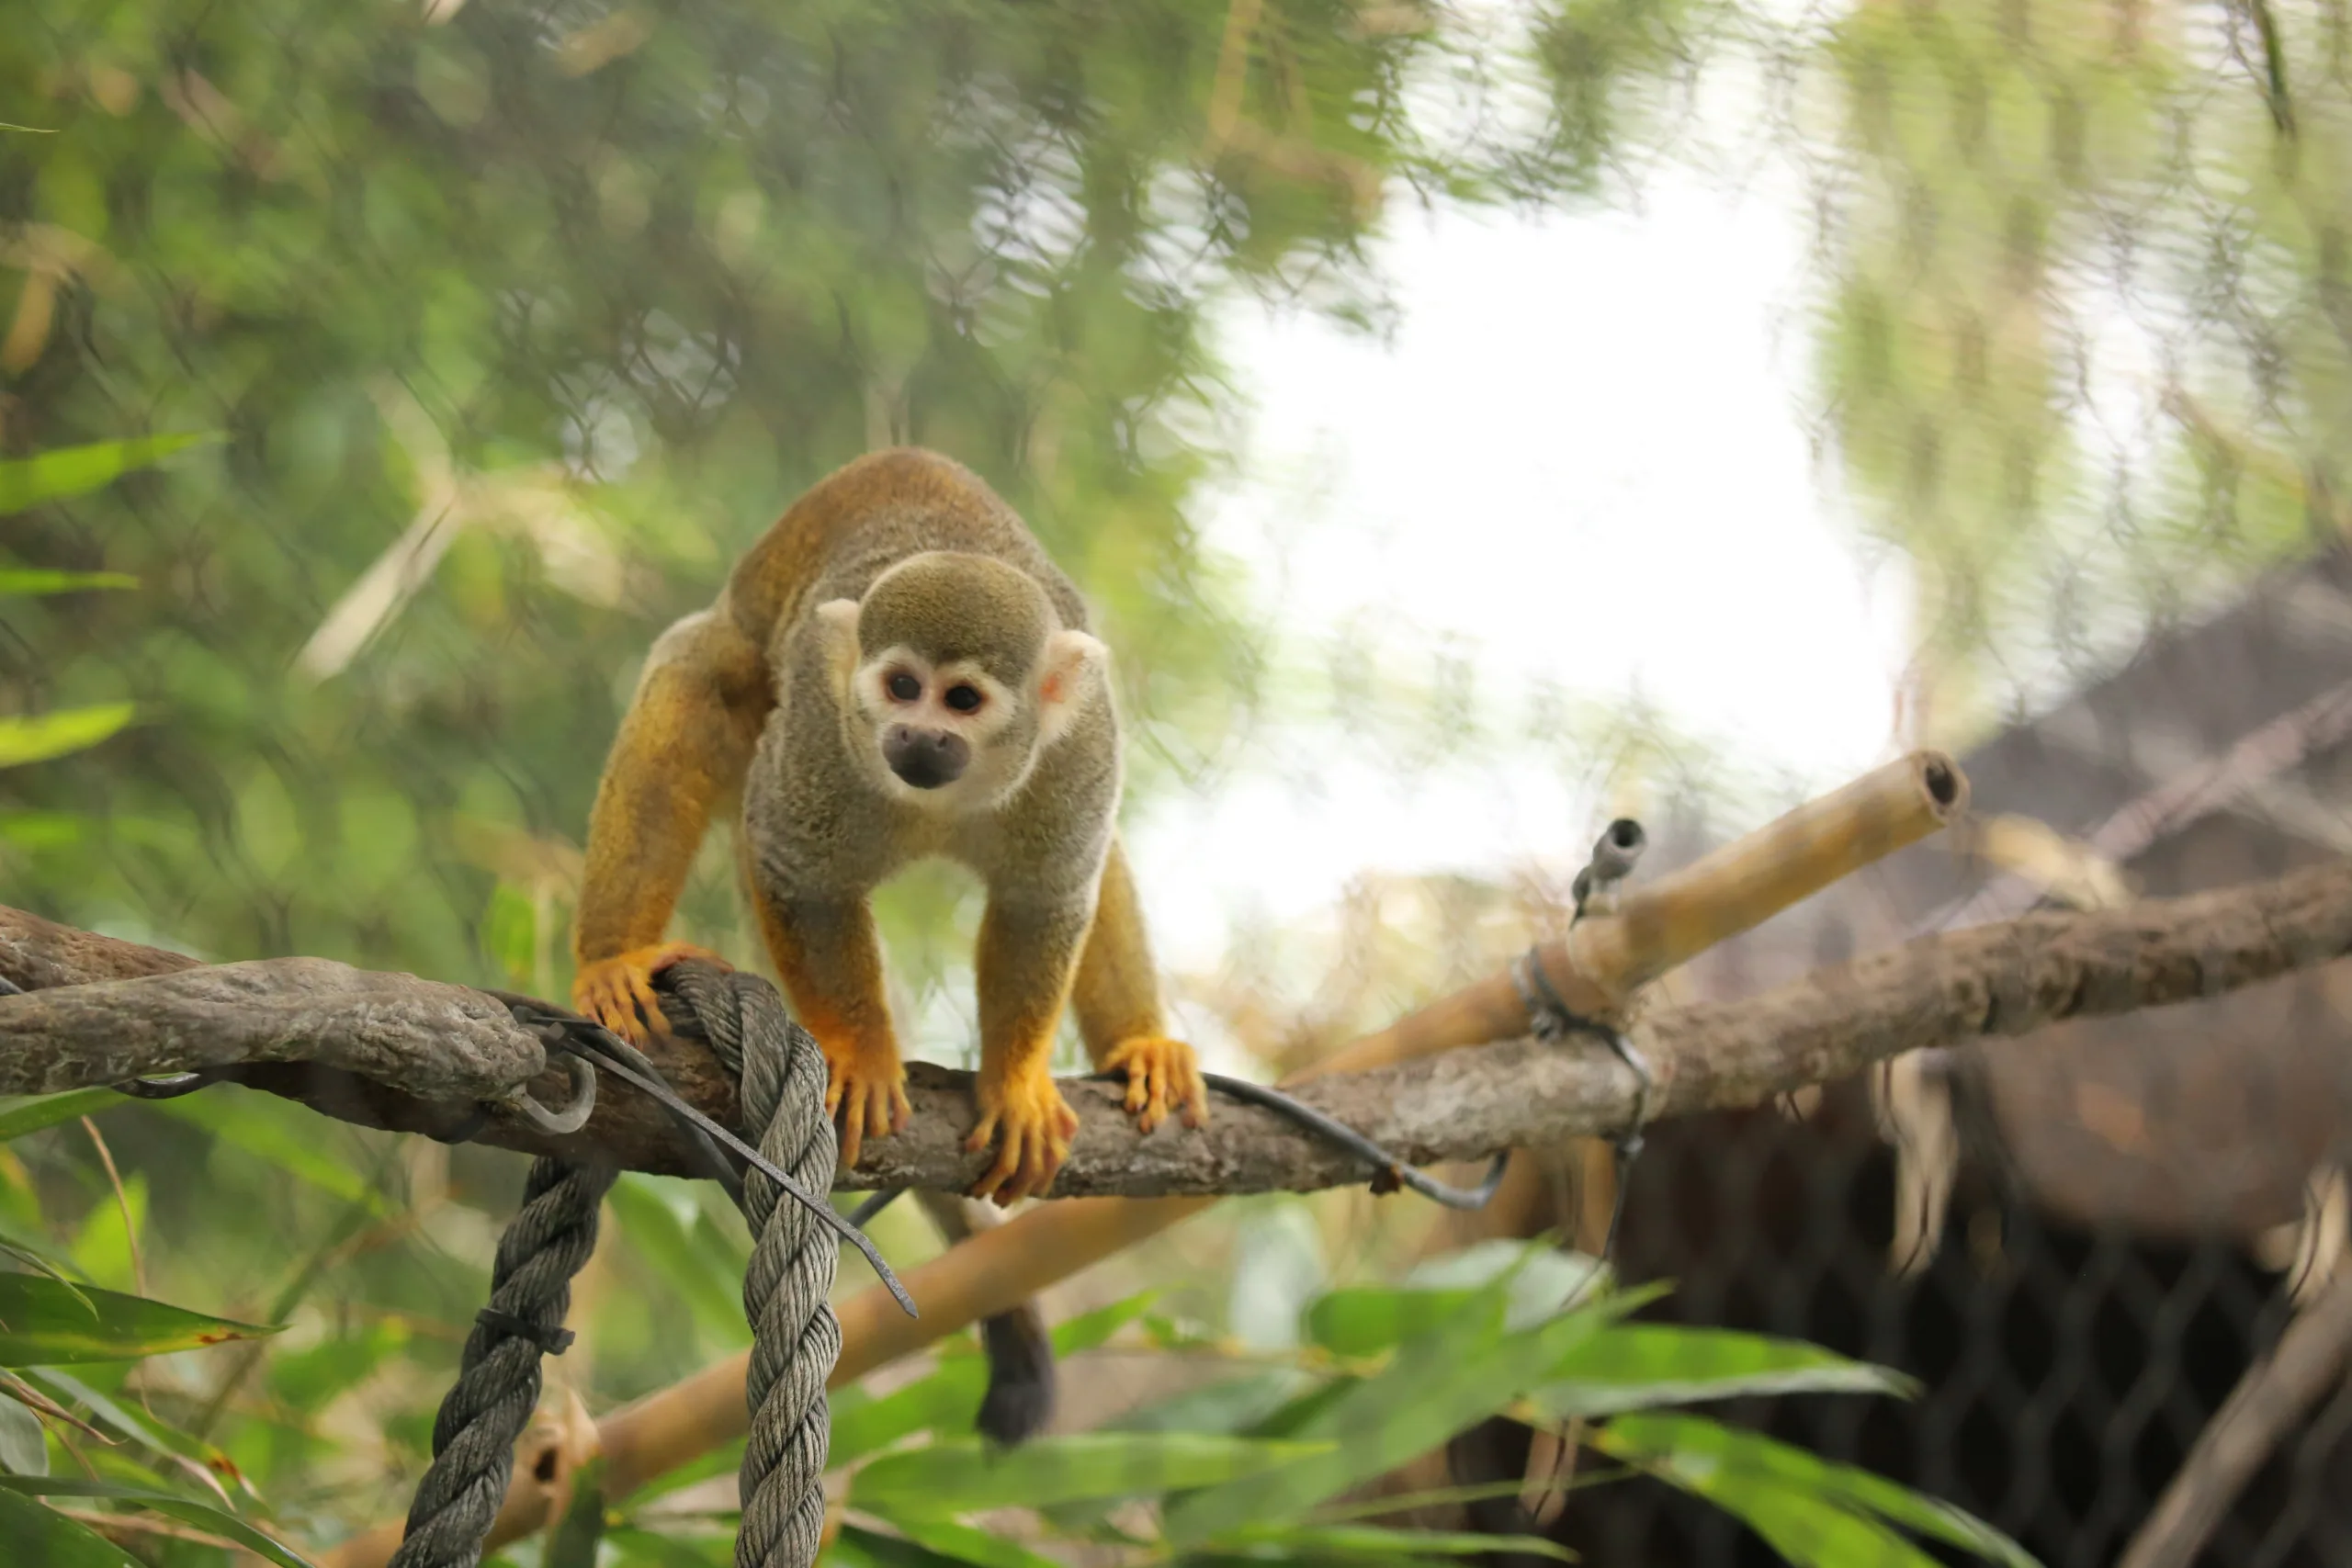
(187, 1510)
(76, 470)
(963, 1474)
(34, 580)
(1641, 1365)
(20, 1115)
(44, 735)
(46, 1324)
(36, 1534)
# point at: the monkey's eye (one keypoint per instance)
(964, 699)
(905, 687)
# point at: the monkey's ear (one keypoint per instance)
(837, 625)
(1069, 677)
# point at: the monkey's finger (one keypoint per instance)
(1139, 1089)
(1020, 1153)
(901, 1111)
(640, 992)
(1196, 1100)
(1147, 1095)
(1046, 1152)
(880, 1112)
(982, 1132)
(853, 1128)
(1008, 1161)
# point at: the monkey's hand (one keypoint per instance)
(1033, 1124)
(614, 991)
(1162, 1075)
(865, 1088)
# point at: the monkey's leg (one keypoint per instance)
(1117, 999)
(1026, 955)
(684, 745)
(827, 956)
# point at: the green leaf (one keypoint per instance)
(711, 1287)
(858, 1548)
(1376, 1543)
(1541, 1277)
(947, 1400)
(20, 1115)
(40, 1535)
(24, 1441)
(48, 735)
(203, 1516)
(637, 1544)
(31, 581)
(965, 1543)
(1232, 1404)
(1088, 1330)
(1439, 1382)
(1695, 1453)
(45, 1323)
(1538, 1279)
(215, 1468)
(1812, 1532)
(1364, 1320)
(1640, 1366)
(76, 470)
(958, 1474)
(280, 1134)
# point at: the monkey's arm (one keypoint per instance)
(685, 744)
(1020, 1400)
(1027, 958)
(1116, 997)
(828, 956)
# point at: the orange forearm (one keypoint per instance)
(1024, 965)
(828, 958)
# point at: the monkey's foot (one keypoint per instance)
(1162, 1075)
(1032, 1125)
(614, 991)
(866, 1089)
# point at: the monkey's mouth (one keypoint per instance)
(925, 758)
(924, 775)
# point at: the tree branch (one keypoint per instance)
(2003, 979)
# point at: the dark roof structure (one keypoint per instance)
(2221, 754)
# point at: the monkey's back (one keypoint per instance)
(867, 515)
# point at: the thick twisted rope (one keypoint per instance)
(498, 1381)
(796, 1339)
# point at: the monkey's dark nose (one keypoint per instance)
(925, 757)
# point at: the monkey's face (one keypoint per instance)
(945, 732)
(954, 676)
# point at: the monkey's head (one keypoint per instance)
(955, 675)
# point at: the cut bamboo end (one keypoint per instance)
(1603, 959)
(1749, 880)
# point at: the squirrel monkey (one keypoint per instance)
(896, 670)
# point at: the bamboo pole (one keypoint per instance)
(1602, 960)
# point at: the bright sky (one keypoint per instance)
(1583, 452)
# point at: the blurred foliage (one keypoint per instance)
(2086, 351)
(1255, 1462)
(517, 322)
